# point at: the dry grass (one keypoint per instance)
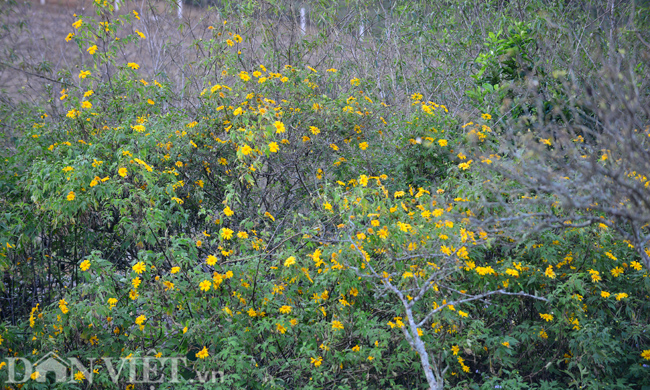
(174, 49)
(37, 45)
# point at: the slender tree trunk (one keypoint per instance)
(434, 379)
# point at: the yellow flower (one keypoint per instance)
(547, 317)
(86, 104)
(363, 180)
(244, 76)
(88, 93)
(314, 130)
(140, 34)
(92, 49)
(70, 196)
(140, 320)
(133, 65)
(512, 272)
(285, 309)
(462, 313)
(549, 272)
(616, 272)
(267, 214)
(84, 265)
(139, 267)
(620, 296)
(246, 150)
(337, 325)
(279, 127)
(69, 37)
(77, 24)
(595, 275)
(487, 117)
(442, 142)
(122, 172)
(317, 362)
(280, 328)
(35, 375)
(226, 233)
(202, 354)
(446, 250)
(63, 305)
(290, 261)
(646, 354)
(211, 260)
(133, 295)
(242, 235)
(363, 146)
(605, 294)
(84, 73)
(506, 344)
(636, 265)
(205, 285)
(175, 270)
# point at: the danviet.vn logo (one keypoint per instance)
(142, 369)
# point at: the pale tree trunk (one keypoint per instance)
(433, 375)
(303, 20)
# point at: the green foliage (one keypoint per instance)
(292, 226)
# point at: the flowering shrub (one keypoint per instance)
(292, 230)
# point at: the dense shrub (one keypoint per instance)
(328, 223)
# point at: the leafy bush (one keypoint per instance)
(293, 225)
